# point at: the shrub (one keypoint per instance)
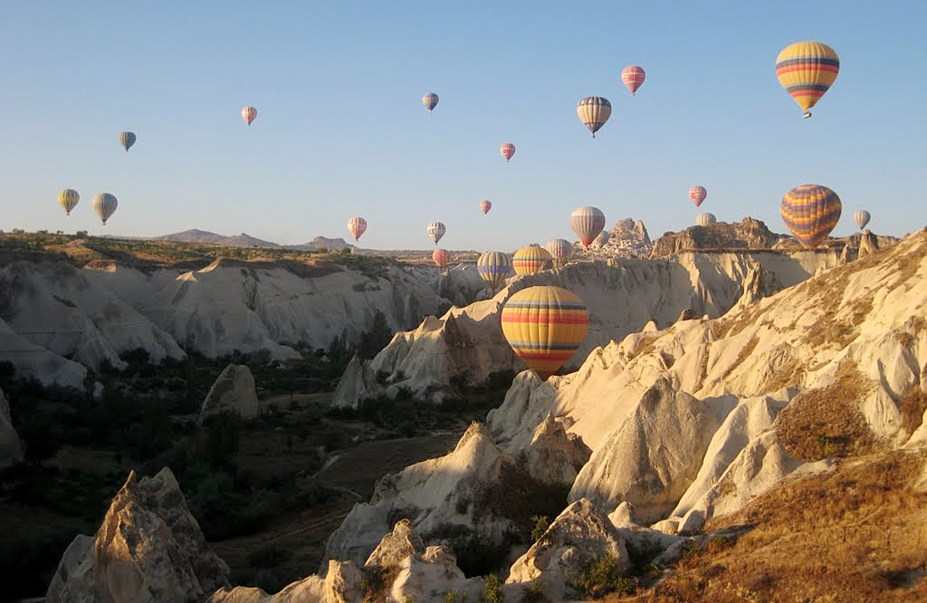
(602, 577)
(541, 523)
(492, 589)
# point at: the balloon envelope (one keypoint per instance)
(587, 223)
(485, 206)
(705, 219)
(810, 211)
(507, 150)
(127, 139)
(494, 267)
(559, 248)
(435, 231)
(430, 101)
(441, 257)
(862, 218)
(68, 198)
(545, 326)
(104, 205)
(531, 259)
(807, 70)
(594, 111)
(248, 114)
(698, 194)
(357, 226)
(633, 76)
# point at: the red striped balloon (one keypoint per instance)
(441, 257)
(357, 226)
(698, 194)
(531, 259)
(633, 76)
(507, 150)
(485, 206)
(248, 114)
(587, 223)
(811, 211)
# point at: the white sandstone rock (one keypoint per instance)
(233, 392)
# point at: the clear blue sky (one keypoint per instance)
(341, 130)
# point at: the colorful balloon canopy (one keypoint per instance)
(602, 239)
(485, 206)
(104, 205)
(357, 226)
(559, 249)
(127, 139)
(810, 211)
(545, 326)
(248, 114)
(698, 194)
(494, 267)
(705, 219)
(435, 231)
(507, 150)
(441, 257)
(862, 218)
(68, 198)
(531, 259)
(807, 70)
(633, 76)
(430, 101)
(594, 111)
(587, 223)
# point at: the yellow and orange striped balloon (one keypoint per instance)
(811, 211)
(545, 326)
(68, 198)
(531, 259)
(807, 70)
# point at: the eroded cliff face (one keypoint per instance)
(466, 345)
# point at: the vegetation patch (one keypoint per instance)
(912, 407)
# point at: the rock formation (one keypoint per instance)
(749, 233)
(233, 392)
(627, 239)
(554, 456)
(149, 548)
(11, 449)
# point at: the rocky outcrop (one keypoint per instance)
(233, 392)
(431, 576)
(580, 535)
(626, 239)
(11, 448)
(749, 233)
(651, 460)
(149, 548)
(357, 383)
(554, 456)
(402, 542)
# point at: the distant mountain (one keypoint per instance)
(319, 242)
(195, 235)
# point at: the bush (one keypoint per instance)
(492, 589)
(477, 554)
(602, 577)
(541, 523)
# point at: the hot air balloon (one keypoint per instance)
(436, 230)
(806, 70)
(127, 139)
(248, 114)
(441, 257)
(430, 101)
(507, 150)
(560, 249)
(357, 226)
(633, 76)
(587, 223)
(494, 267)
(810, 211)
(104, 205)
(544, 326)
(698, 194)
(485, 206)
(861, 216)
(594, 111)
(531, 259)
(705, 219)
(68, 198)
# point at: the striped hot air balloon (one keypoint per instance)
(485, 206)
(357, 226)
(560, 249)
(698, 194)
(430, 101)
(531, 259)
(810, 211)
(68, 198)
(545, 326)
(862, 218)
(248, 114)
(507, 150)
(705, 219)
(594, 111)
(435, 231)
(104, 205)
(807, 70)
(441, 257)
(587, 223)
(127, 139)
(494, 267)
(602, 239)
(633, 76)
